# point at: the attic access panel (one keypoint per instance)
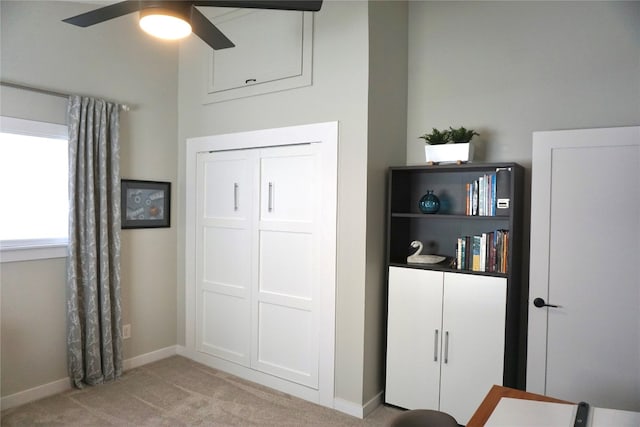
(273, 52)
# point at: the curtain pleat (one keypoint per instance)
(94, 312)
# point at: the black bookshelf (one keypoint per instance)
(439, 233)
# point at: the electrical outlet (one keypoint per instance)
(126, 331)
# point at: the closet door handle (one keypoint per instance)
(446, 347)
(435, 346)
(235, 196)
(270, 207)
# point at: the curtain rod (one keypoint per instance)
(125, 107)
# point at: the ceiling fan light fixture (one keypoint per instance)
(174, 19)
(164, 23)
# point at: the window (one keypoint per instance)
(34, 202)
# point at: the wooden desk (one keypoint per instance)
(492, 398)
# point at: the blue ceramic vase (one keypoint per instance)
(429, 203)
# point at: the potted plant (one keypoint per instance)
(449, 146)
(461, 135)
(436, 137)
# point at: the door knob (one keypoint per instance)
(539, 302)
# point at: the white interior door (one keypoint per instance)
(473, 324)
(414, 337)
(585, 258)
(285, 326)
(223, 254)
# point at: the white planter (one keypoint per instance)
(449, 153)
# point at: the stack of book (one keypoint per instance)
(481, 196)
(486, 252)
(489, 194)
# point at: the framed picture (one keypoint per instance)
(145, 204)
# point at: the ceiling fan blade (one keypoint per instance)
(104, 13)
(203, 28)
(302, 5)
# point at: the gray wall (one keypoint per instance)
(504, 68)
(386, 147)
(339, 92)
(115, 61)
(510, 68)
(359, 79)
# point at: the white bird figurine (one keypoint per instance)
(416, 258)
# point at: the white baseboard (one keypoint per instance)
(35, 393)
(64, 384)
(356, 410)
(153, 356)
(181, 351)
(372, 404)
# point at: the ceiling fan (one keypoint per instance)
(182, 17)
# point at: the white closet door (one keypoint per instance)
(473, 324)
(285, 327)
(414, 337)
(223, 251)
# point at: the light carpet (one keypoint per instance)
(180, 392)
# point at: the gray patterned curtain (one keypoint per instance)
(94, 313)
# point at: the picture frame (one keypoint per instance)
(145, 204)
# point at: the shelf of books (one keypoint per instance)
(488, 252)
(475, 226)
(489, 195)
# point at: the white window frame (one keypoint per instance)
(32, 249)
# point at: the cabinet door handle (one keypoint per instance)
(446, 347)
(435, 346)
(235, 196)
(270, 207)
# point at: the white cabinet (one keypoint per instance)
(257, 295)
(473, 321)
(414, 330)
(445, 339)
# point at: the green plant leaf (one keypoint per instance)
(436, 137)
(461, 134)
